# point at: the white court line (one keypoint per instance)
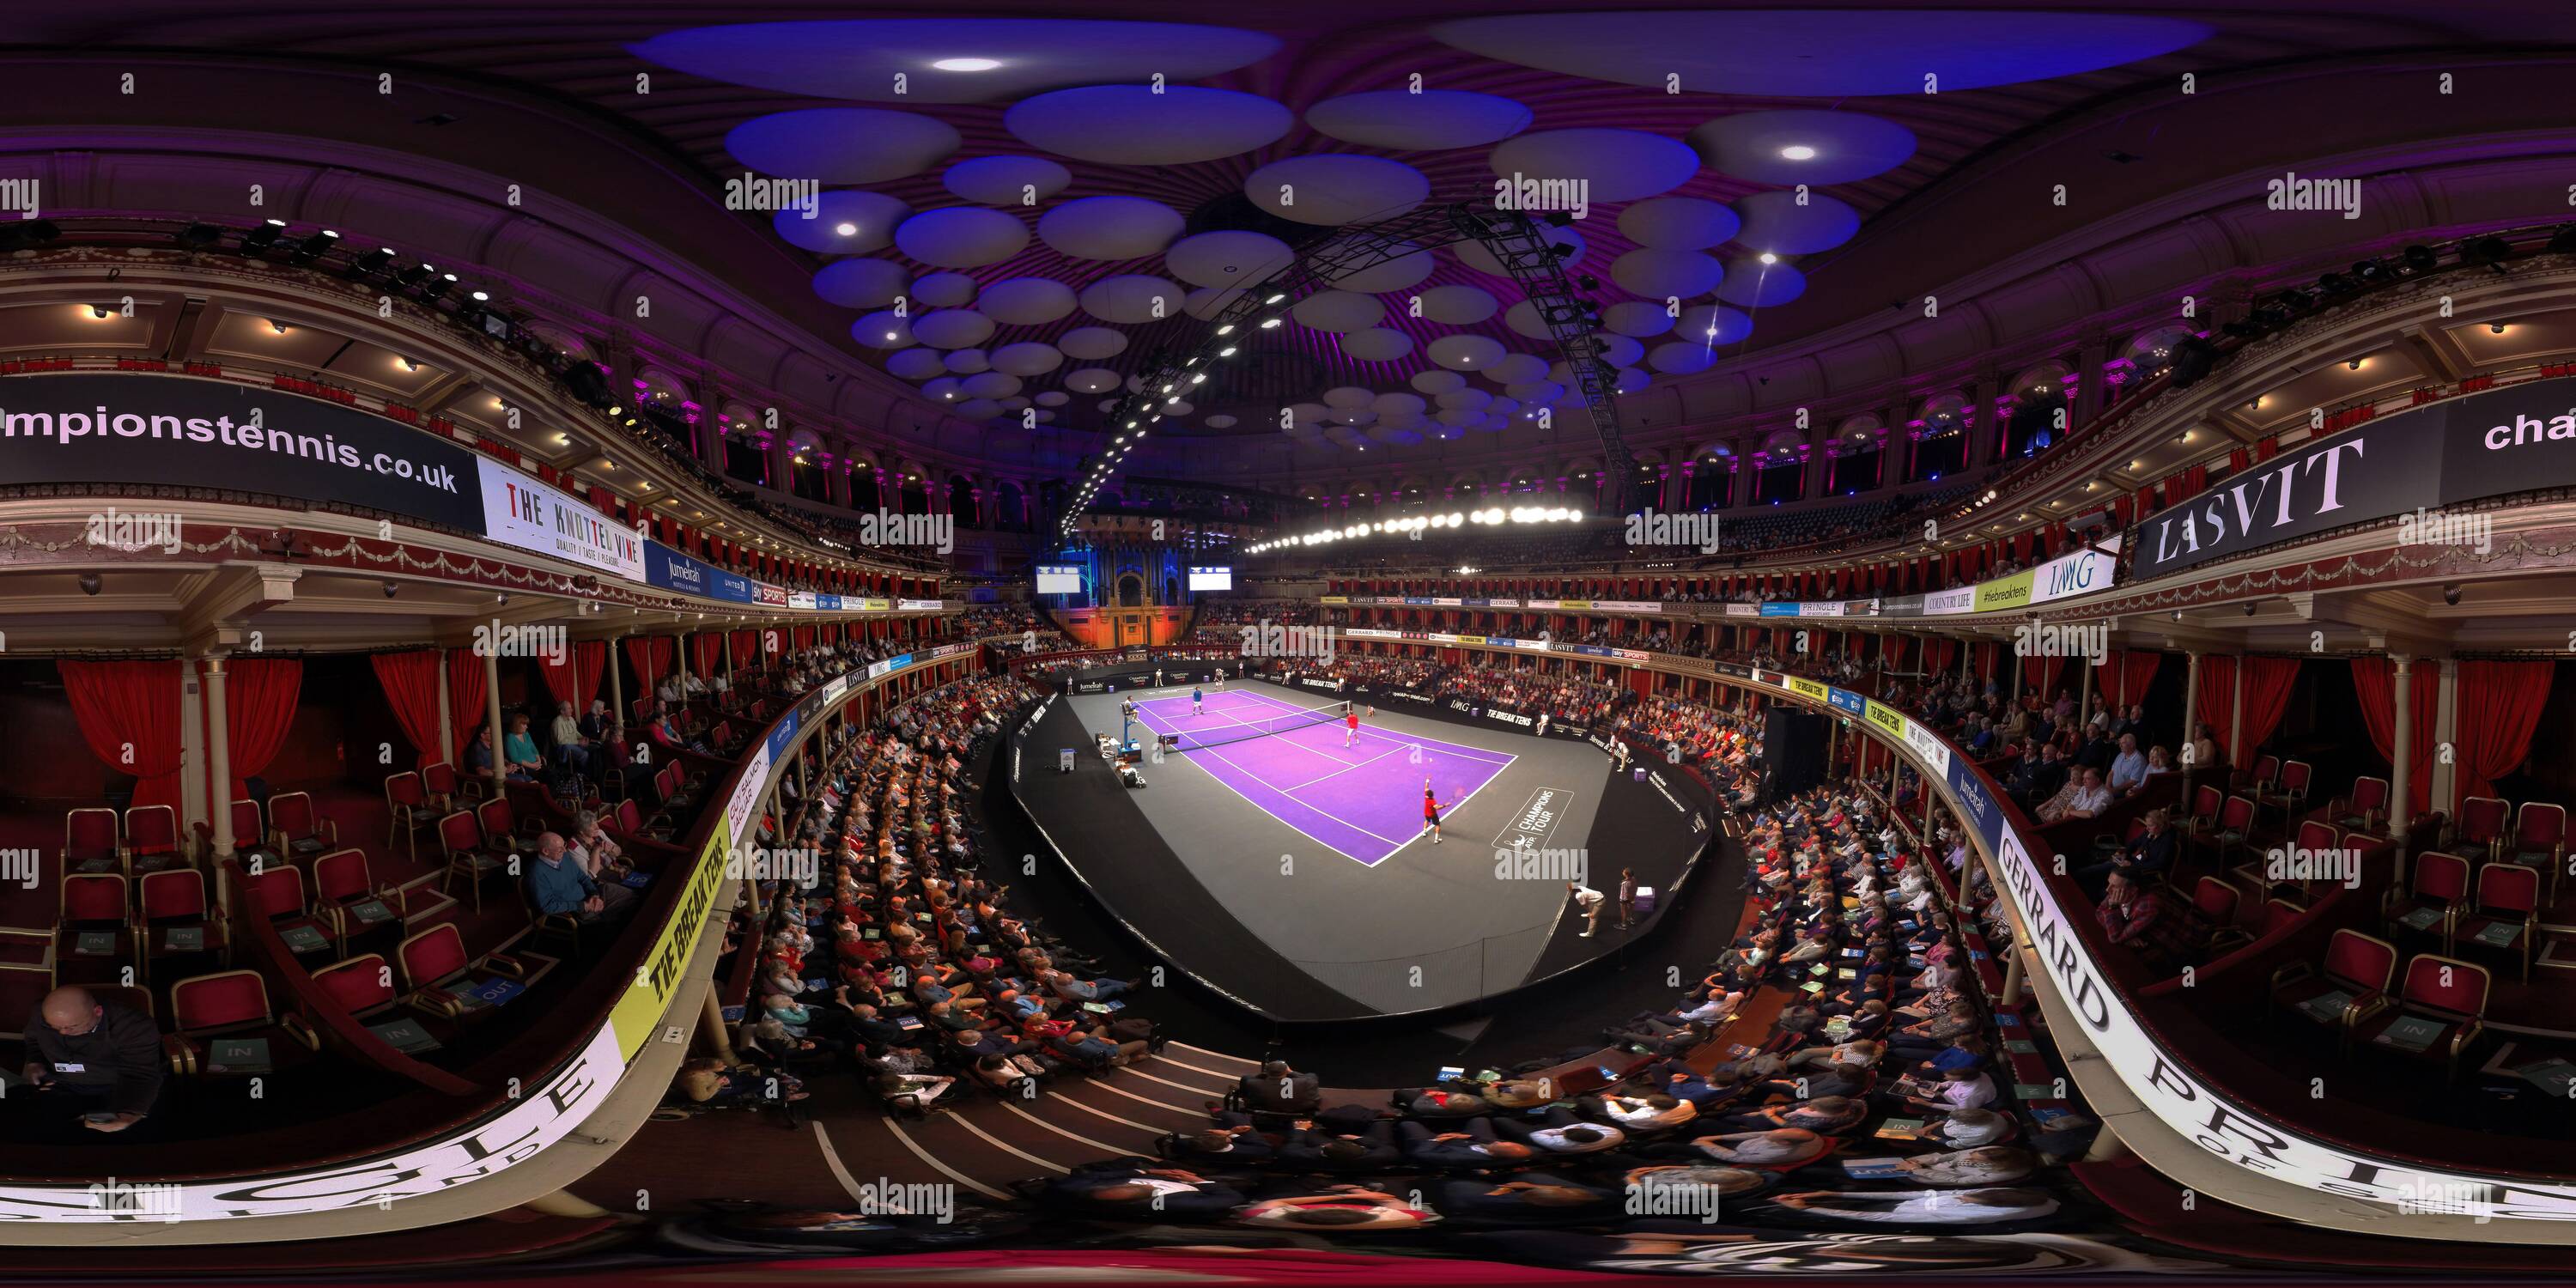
(1356, 764)
(1454, 807)
(1106, 1151)
(944, 1169)
(997, 1143)
(1366, 731)
(1103, 1113)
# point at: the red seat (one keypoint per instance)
(233, 1004)
(2351, 985)
(363, 985)
(2479, 831)
(2279, 913)
(2266, 773)
(2433, 902)
(2235, 828)
(469, 852)
(2296, 776)
(152, 839)
(438, 778)
(175, 899)
(92, 841)
(2439, 1013)
(94, 914)
(276, 892)
(434, 963)
(2369, 796)
(2540, 839)
(2205, 800)
(2505, 916)
(408, 809)
(296, 828)
(2217, 901)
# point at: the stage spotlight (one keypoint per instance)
(39, 232)
(2420, 258)
(436, 287)
(2487, 250)
(258, 240)
(413, 276)
(199, 236)
(371, 263)
(2335, 284)
(91, 583)
(2370, 272)
(312, 248)
(2193, 359)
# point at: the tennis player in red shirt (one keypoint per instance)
(1430, 811)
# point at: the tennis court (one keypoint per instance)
(1288, 761)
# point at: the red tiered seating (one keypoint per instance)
(175, 899)
(2504, 917)
(2433, 902)
(152, 839)
(231, 1004)
(296, 828)
(2439, 1013)
(2351, 986)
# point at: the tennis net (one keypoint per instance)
(1188, 735)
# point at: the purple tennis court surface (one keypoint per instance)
(1363, 801)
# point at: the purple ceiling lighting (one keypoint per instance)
(842, 144)
(952, 60)
(1135, 125)
(1791, 53)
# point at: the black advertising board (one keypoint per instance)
(176, 431)
(2515, 439)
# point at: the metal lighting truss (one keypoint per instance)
(1515, 241)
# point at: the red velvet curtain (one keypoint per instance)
(2040, 673)
(465, 708)
(705, 649)
(746, 646)
(2376, 683)
(1939, 653)
(574, 678)
(2268, 681)
(1989, 653)
(804, 637)
(259, 707)
(2125, 676)
(2495, 712)
(411, 689)
(129, 716)
(651, 657)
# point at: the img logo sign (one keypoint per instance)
(119, 530)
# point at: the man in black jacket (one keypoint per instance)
(99, 1065)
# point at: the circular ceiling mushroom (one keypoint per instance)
(944, 290)
(1459, 305)
(1609, 166)
(882, 330)
(1054, 398)
(915, 364)
(1131, 298)
(1401, 271)
(1026, 301)
(967, 362)
(1787, 223)
(1377, 344)
(1753, 284)
(961, 236)
(1092, 343)
(1144, 125)
(1436, 381)
(1637, 318)
(846, 222)
(1517, 368)
(1337, 189)
(1678, 223)
(951, 59)
(1027, 358)
(1219, 421)
(1682, 357)
(841, 145)
(1714, 324)
(862, 283)
(1227, 257)
(952, 329)
(1340, 311)
(1403, 120)
(1110, 228)
(1666, 274)
(991, 384)
(1803, 145)
(1092, 380)
(1006, 180)
(1465, 352)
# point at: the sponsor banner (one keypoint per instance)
(1574, 603)
(98, 427)
(801, 599)
(639, 1010)
(668, 569)
(871, 605)
(1665, 790)
(1929, 747)
(764, 593)
(1889, 720)
(1945, 603)
(1410, 696)
(1493, 603)
(1371, 633)
(520, 511)
(834, 688)
(2081, 573)
(1633, 655)
(920, 605)
(1744, 610)
(1333, 599)
(1975, 801)
(785, 733)
(2004, 593)
(1542, 603)
(1898, 606)
(746, 794)
(1821, 608)
(828, 603)
(1628, 605)
(1808, 689)
(1509, 717)
(1778, 609)
(1467, 639)
(1847, 702)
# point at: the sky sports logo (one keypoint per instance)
(67, 428)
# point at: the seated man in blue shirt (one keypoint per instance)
(557, 887)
